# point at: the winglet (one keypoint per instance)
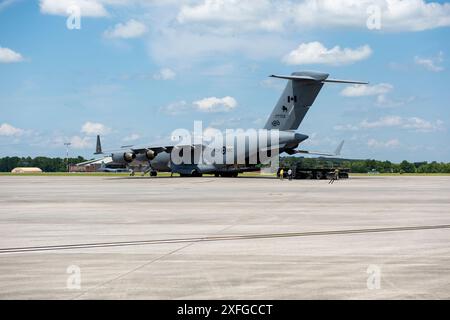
(98, 148)
(339, 148)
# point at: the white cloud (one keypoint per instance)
(219, 70)
(346, 127)
(196, 30)
(201, 29)
(232, 15)
(367, 90)
(237, 122)
(132, 137)
(396, 15)
(213, 104)
(92, 128)
(226, 14)
(175, 44)
(8, 56)
(385, 102)
(373, 143)
(274, 84)
(412, 123)
(130, 29)
(317, 53)
(88, 8)
(381, 91)
(422, 125)
(8, 130)
(431, 64)
(77, 142)
(175, 108)
(389, 121)
(57, 140)
(165, 74)
(278, 16)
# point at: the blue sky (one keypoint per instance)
(136, 70)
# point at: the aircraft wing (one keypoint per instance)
(336, 153)
(167, 148)
(142, 149)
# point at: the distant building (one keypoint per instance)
(26, 170)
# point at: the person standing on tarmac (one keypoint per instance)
(281, 174)
(335, 176)
(290, 174)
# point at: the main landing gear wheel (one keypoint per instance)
(195, 173)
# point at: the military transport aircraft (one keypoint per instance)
(298, 96)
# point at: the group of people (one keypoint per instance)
(334, 175)
(289, 174)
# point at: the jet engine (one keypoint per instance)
(125, 157)
(147, 156)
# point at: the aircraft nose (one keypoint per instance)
(300, 137)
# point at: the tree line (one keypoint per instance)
(357, 166)
(365, 166)
(45, 163)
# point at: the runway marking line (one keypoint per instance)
(217, 238)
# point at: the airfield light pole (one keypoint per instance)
(67, 144)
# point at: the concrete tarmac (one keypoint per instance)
(214, 238)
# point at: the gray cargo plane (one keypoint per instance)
(238, 152)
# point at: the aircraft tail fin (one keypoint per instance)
(98, 148)
(299, 95)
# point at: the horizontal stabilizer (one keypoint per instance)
(310, 78)
(298, 78)
(345, 81)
